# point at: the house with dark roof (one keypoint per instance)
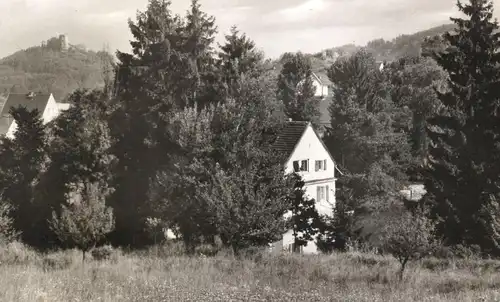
(308, 156)
(46, 105)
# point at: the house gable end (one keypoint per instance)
(314, 136)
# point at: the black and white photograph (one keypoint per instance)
(249, 150)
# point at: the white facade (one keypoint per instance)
(319, 180)
(321, 90)
(51, 111)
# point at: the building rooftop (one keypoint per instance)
(289, 136)
(30, 101)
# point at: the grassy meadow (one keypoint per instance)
(164, 274)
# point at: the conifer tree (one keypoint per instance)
(304, 221)
(238, 57)
(151, 81)
(199, 36)
(462, 180)
(26, 160)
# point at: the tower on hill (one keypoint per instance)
(63, 40)
(58, 43)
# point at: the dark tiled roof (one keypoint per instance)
(38, 101)
(289, 136)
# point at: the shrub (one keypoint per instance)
(207, 250)
(16, 253)
(408, 237)
(57, 261)
(85, 222)
(7, 231)
(102, 253)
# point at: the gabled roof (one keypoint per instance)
(290, 136)
(36, 101)
(322, 78)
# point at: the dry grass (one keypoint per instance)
(163, 274)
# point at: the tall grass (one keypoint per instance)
(164, 274)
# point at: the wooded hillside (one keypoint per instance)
(45, 69)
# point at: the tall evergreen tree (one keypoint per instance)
(237, 58)
(152, 81)
(199, 35)
(26, 159)
(463, 177)
(296, 89)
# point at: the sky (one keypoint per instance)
(276, 26)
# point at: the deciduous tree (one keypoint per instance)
(296, 89)
(86, 220)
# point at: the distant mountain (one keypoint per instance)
(55, 67)
(383, 50)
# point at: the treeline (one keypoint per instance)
(433, 119)
(183, 140)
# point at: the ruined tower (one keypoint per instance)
(63, 40)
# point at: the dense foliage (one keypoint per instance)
(463, 174)
(183, 140)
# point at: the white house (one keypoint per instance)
(309, 157)
(320, 84)
(44, 103)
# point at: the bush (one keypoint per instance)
(7, 232)
(57, 261)
(102, 253)
(16, 253)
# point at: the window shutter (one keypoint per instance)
(324, 165)
(296, 166)
(327, 193)
(318, 193)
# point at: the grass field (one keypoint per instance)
(161, 274)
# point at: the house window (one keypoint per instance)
(322, 193)
(320, 165)
(302, 165)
